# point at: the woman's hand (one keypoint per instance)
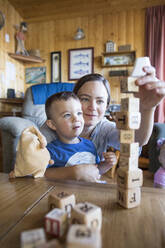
(151, 90)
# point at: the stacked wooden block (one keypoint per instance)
(129, 176)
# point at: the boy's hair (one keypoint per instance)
(93, 77)
(64, 95)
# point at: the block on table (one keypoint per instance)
(129, 198)
(32, 238)
(128, 120)
(127, 84)
(88, 214)
(56, 222)
(62, 200)
(129, 179)
(127, 136)
(129, 149)
(130, 104)
(81, 236)
(130, 163)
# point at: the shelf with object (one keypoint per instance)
(26, 59)
(118, 59)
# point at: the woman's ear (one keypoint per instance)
(51, 124)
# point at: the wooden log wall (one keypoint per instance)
(125, 27)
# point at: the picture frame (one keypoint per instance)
(117, 59)
(35, 75)
(56, 66)
(80, 62)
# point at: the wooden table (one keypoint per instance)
(24, 203)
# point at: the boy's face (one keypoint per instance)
(67, 119)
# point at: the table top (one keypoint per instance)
(24, 203)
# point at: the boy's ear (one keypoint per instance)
(50, 124)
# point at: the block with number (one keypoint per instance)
(129, 149)
(56, 222)
(62, 200)
(128, 120)
(129, 198)
(130, 104)
(127, 84)
(131, 163)
(83, 237)
(88, 214)
(129, 179)
(32, 238)
(127, 136)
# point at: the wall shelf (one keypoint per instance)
(26, 59)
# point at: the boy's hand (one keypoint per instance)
(110, 158)
(87, 172)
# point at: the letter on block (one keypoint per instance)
(131, 163)
(127, 136)
(130, 104)
(129, 149)
(32, 238)
(128, 120)
(129, 179)
(83, 236)
(88, 214)
(127, 84)
(129, 198)
(62, 200)
(56, 222)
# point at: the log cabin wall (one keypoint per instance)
(124, 27)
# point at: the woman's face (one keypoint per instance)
(93, 96)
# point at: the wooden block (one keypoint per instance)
(127, 136)
(83, 237)
(131, 163)
(61, 200)
(54, 243)
(88, 214)
(127, 84)
(130, 104)
(129, 198)
(128, 120)
(129, 149)
(32, 238)
(129, 179)
(56, 222)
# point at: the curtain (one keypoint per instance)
(155, 48)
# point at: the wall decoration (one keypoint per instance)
(80, 62)
(56, 67)
(35, 75)
(116, 59)
(110, 46)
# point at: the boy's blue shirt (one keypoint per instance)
(65, 155)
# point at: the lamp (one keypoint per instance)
(79, 34)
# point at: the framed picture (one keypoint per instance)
(35, 75)
(116, 59)
(80, 62)
(56, 67)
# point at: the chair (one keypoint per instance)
(33, 114)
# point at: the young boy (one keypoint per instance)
(74, 157)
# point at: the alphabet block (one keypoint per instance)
(127, 84)
(62, 200)
(129, 198)
(131, 163)
(129, 149)
(129, 179)
(88, 214)
(127, 136)
(128, 120)
(130, 104)
(32, 238)
(83, 237)
(56, 222)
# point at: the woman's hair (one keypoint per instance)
(93, 77)
(64, 95)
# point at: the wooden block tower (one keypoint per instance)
(129, 176)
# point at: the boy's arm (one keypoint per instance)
(85, 172)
